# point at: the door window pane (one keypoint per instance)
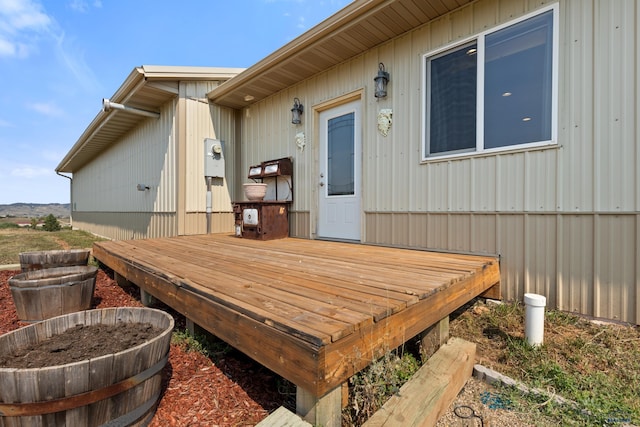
(340, 155)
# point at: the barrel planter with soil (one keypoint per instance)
(113, 389)
(49, 259)
(42, 294)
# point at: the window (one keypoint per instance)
(494, 92)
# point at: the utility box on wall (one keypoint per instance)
(213, 158)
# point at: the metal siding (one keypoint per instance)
(482, 186)
(126, 225)
(615, 269)
(483, 234)
(536, 208)
(200, 125)
(539, 246)
(614, 98)
(511, 246)
(576, 112)
(146, 155)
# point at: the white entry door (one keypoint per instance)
(340, 172)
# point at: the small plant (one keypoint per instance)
(51, 223)
(203, 343)
(372, 387)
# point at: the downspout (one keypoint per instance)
(70, 196)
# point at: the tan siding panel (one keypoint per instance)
(483, 234)
(482, 187)
(221, 222)
(299, 224)
(575, 263)
(540, 259)
(576, 121)
(126, 225)
(146, 155)
(615, 267)
(200, 125)
(511, 242)
(615, 127)
(510, 182)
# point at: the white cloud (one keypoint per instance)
(29, 171)
(5, 124)
(83, 6)
(48, 109)
(20, 22)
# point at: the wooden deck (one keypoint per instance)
(315, 312)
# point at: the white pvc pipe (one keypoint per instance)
(107, 105)
(534, 318)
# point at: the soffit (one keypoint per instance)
(147, 88)
(355, 29)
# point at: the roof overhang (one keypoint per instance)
(353, 30)
(146, 88)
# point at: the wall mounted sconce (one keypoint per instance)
(381, 81)
(296, 112)
(142, 187)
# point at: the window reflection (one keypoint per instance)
(340, 155)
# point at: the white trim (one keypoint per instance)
(479, 38)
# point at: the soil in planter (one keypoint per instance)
(80, 343)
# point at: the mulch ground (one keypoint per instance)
(234, 391)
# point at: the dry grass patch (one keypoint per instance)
(597, 366)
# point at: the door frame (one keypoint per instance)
(315, 188)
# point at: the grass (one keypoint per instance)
(16, 240)
(595, 366)
(203, 343)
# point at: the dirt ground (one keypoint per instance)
(236, 391)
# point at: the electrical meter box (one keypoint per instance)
(213, 158)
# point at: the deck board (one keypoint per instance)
(313, 311)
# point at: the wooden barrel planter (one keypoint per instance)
(49, 259)
(119, 389)
(42, 294)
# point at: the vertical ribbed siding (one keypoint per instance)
(565, 219)
(199, 125)
(145, 156)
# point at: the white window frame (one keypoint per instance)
(480, 41)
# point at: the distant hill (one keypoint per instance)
(35, 210)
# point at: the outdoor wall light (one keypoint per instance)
(142, 187)
(381, 81)
(296, 112)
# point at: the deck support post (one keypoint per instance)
(320, 411)
(146, 298)
(433, 338)
(122, 281)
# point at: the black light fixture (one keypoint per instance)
(381, 81)
(296, 112)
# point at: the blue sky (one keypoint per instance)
(59, 58)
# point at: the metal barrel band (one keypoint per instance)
(82, 399)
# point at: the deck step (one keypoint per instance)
(431, 390)
(282, 417)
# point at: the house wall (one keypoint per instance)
(564, 219)
(165, 154)
(201, 121)
(104, 194)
